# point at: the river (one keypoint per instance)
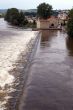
(46, 83)
(15, 48)
(50, 81)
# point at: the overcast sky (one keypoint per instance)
(32, 4)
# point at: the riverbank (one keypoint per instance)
(38, 29)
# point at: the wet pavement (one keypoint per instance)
(50, 81)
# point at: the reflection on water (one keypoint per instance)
(54, 39)
(69, 44)
(50, 82)
(46, 37)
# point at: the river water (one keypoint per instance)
(15, 48)
(45, 84)
(50, 81)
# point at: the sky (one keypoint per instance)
(32, 4)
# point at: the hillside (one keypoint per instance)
(30, 10)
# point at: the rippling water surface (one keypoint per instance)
(14, 45)
(49, 85)
(50, 81)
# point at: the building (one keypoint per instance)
(51, 22)
(62, 16)
(31, 19)
(55, 22)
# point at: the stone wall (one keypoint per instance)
(46, 24)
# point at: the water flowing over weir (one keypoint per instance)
(16, 47)
(36, 72)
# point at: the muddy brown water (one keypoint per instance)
(50, 81)
(50, 74)
(15, 49)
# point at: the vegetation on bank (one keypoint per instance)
(70, 23)
(34, 14)
(16, 17)
(44, 11)
(2, 15)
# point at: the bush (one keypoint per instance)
(70, 23)
(70, 27)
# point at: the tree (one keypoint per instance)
(15, 17)
(30, 14)
(70, 14)
(70, 23)
(44, 10)
(12, 16)
(21, 18)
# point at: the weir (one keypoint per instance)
(36, 70)
(15, 49)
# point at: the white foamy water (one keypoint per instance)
(12, 44)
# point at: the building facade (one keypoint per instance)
(51, 22)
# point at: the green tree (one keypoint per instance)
(70, 23)
(44, 10)
(12, 16)
(15, 17)
(21, 18)
(70, 14)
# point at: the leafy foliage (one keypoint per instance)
(21, 19)
(70, 14)
(44, 10)
(30, 14)
(15, 17)
(70, 23)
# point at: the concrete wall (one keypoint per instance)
(44, 24)
(53, 21)
(38, 23)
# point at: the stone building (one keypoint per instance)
(57, 20)
(63, 17)
(51, 22)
